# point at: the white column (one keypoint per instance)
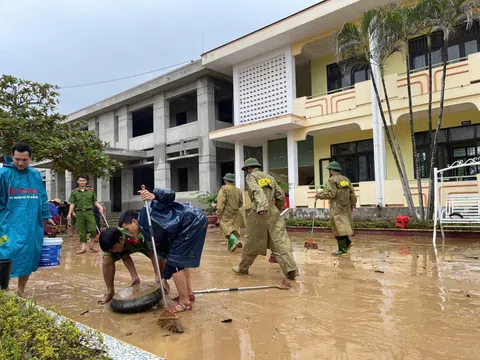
(207, 160)
(378, 135)
(124, 127)
(292, 166)
(265, 156)
(103, 192)
(161, 116)
(68, 184)
(60, 186)
(127, 188)
(239, 160)
(49, 185)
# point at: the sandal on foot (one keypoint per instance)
(179, 308)
(190, 297)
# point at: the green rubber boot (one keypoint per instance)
(342, 247)
(232, 243)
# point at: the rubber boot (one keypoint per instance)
(349, 243)
(232, 243)
(342, 247)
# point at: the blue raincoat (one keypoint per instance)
(179, 229)
(23, 208)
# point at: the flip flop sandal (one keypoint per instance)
(190, 297)
(177, 308)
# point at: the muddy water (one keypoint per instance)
(390, 299)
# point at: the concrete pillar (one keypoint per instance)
(265, 156)
(292, 166)
(378, 135)
(68, 184)
(161, 118)
(103, 192)
(239, 160)
(127, 188)
(49, 184)
(60, 185)
(207, 160)
(124, 127)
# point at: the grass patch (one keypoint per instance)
(362, 224)
(27, 332)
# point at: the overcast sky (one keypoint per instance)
(68, 42)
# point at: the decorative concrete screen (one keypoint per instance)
(263, 89)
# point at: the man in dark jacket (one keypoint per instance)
(180, 232)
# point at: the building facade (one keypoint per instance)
(297, 110)
(159, 130)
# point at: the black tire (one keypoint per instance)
(138, 304)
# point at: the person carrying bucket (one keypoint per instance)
(265, 226)
(342, 198)
(23, 210)
(229, 203)
(82, 200)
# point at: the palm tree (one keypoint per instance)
(446, 16)
(405, 23)
(360, 46)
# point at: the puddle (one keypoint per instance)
(390, 298)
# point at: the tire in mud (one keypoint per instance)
(136, 298)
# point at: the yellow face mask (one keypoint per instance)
(264, 182)
(344, 183)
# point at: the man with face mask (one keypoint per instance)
(23, 210)
(342, 198)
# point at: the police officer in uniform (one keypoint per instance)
(82, 200)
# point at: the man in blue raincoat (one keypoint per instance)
(23, 210)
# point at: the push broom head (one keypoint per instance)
(170, 322)
(310, 244)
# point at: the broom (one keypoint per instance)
(310, 243)
(167, 319)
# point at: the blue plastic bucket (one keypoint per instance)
(51, 251)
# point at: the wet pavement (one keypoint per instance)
(390, 299)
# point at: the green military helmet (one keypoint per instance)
(229, 177)
(334, 166)
(251, 163)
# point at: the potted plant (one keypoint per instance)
(5, 267)
(209, 207)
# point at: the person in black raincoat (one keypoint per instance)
(180, 232)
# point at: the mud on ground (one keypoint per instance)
(390, 299)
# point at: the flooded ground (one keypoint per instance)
(390, 299)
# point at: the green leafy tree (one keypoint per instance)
(358, 46)
(28, 113)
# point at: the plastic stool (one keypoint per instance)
(402, 221)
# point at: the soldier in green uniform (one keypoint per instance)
(230, 202)
(342, 198)
(265, 226)
(82, 200)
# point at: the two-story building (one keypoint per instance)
(295, 110)
(159, 130)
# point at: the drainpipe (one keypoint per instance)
(378, 135)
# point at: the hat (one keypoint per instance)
(57, 200)
(251, 163)
(334, 166)
(229, 177)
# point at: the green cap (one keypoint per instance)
(229, 177)
(251, 163)
(334, 166)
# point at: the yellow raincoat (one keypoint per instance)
(266, 231)
(229, 210)
(342, 200)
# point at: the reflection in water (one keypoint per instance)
(390, 298)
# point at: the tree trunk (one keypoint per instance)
(389, 139)
(403, 174)
(414, 145)
(437, 131)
